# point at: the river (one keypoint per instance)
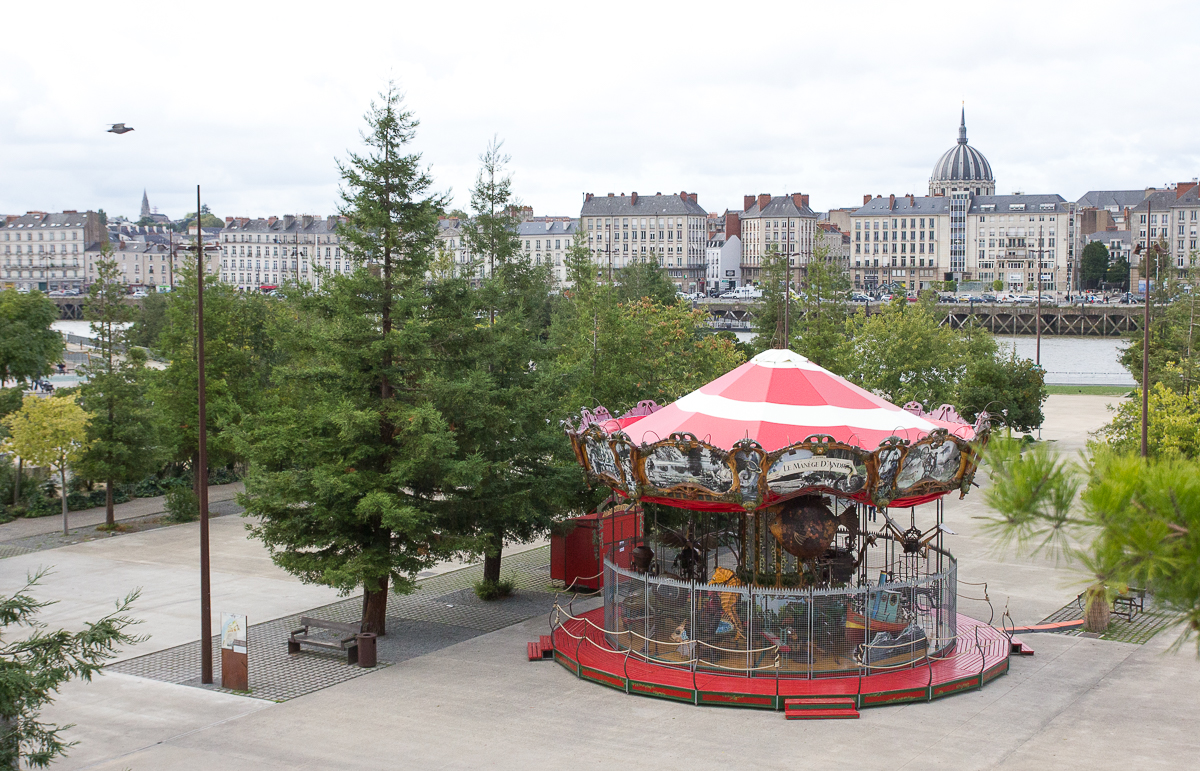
(1067, 360)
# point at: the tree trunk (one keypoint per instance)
(491, 563)
(17, 481)
(1097, 612)
(374, 618)
(62, 473)
(109, 517)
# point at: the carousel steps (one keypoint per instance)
(820, 709)
(540, 649)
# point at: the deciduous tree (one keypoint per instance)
(1094, 264)
(28, 344)
(50, 432)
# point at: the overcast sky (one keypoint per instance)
(255, 101)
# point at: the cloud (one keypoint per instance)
(255, 102)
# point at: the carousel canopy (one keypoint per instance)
(779, 398)
(775, 428)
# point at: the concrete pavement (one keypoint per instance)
(138, 507)
(1077, 703)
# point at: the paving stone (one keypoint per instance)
(442, 611)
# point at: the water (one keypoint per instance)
(1074, 360)
(77, 328)
(1067, 360)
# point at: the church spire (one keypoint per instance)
(145, 204)
(962, 127)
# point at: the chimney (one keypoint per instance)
(610, 195)
(747, 202)
(272, 220)
(692, 197)
(733, 225)
(804, 199)
(1182, 188)
(912, 200)
(228, 220)
(763, 200)
(587, 197)
(633, 198)
(307, 219)
(866, 199)
(891, 201)
(288, 219)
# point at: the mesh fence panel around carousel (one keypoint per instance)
(808, 632)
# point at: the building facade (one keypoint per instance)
(46, 251)
(546, 241)
(899, 240)
(783, 223)
(264, 253)
(723, 256)
(669, 229)
(1170, 216)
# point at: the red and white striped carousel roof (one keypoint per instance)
(779, 398)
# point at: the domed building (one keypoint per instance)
(962, 168)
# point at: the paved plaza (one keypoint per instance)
(455, 689)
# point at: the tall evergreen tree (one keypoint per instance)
(351, 461)
(502, 389)
(121, 432)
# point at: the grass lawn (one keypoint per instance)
(1094, 390)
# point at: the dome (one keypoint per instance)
(962, 163)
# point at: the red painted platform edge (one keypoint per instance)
(822, 714)
(1057, 626)
(994, 665)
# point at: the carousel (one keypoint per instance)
(792, 547)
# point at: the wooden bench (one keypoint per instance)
(346, 641)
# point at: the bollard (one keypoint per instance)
(366, 649)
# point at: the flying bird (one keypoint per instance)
(119, 128)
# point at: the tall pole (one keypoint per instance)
(1146, 337)
(206, 656)
(1038, 351)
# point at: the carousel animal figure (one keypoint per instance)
(689, 563)
(806, 527)
(912, 540)
(729, 603)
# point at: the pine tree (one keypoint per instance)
(351, 461)
(121, 433)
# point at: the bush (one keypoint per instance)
(494, 590)
(182, 504)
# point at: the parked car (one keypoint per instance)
(56, 293)
(988, 298)
(1022, 298)
(140, 293)
(859, 297)
(727, 295)
(968, 298)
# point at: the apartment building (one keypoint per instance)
(783, 223)
(1171, 216)
(545, 241)
(899, 240)
(264, 253)
(1018, 238)
(46, 251)
(670, 229)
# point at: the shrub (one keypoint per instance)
(182, 505)
(494, 590)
